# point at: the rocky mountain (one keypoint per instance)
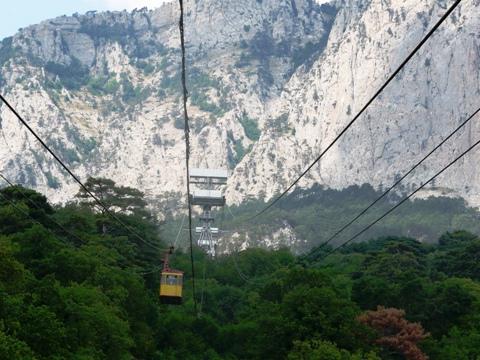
(430, 98)
(271, 83)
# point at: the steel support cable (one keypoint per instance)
(65, 167)
(187, 147)
(179, 231)
(49, 217)
(157, 268)
(360, 214)
(57, 223)
(234, 254)
(204, 280)
(402, 201)
(362, 110)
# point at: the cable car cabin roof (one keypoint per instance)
(208, 197)
(205, 176)
(172, 272)
(220, 174)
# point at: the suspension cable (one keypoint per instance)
(361, 213)
(25, 213)
(234, 255)
(174, 246)
(402, 201)
(362, 110)
(187, 147)
(82, 185)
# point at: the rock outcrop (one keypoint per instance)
(271, 83)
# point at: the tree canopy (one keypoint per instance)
(76, 292)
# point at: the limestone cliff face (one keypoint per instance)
(428, 100)
(104, 89)
(271, 83)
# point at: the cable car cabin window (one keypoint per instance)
(171, 280)
(171, 288)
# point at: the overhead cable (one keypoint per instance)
(362, 110)
(401, 202)
(361, 213)
(67, 169)
(187, 146)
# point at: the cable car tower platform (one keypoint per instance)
(208, 196)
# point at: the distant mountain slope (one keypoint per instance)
(308, 218)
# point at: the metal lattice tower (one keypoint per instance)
(208, 196)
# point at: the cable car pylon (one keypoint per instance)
(208, 196)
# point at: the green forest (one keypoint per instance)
(75, 285)
(317, 213)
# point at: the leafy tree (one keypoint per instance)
(396, 332)
(75, 292)
(461, 260)
(122, 198)
(12, 348)
(324, 350)
(457, 344)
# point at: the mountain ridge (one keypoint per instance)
(270, 84)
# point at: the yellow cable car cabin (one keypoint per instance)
(171, 283)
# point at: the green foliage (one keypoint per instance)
(460, 258)
(146, 66)
(68, 154)
(179, 123)
(171, 84)
(133, 94)
(305, 54)
(84, 145)
(324, 350)
(73, 75)
(250, 127)
(316, 214)
(103, 85)
(12, 348)
(7, 51)
(239, 150)
(280, 124)
(84, 296)
(123, 198)
(199, 84)
(106, 30)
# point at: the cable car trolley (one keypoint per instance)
(171, 283)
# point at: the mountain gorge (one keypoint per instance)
(270, 83)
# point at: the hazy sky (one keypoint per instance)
(15, 14)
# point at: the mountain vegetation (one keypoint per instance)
(310, 217)
(270, 82)
(73, 288)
